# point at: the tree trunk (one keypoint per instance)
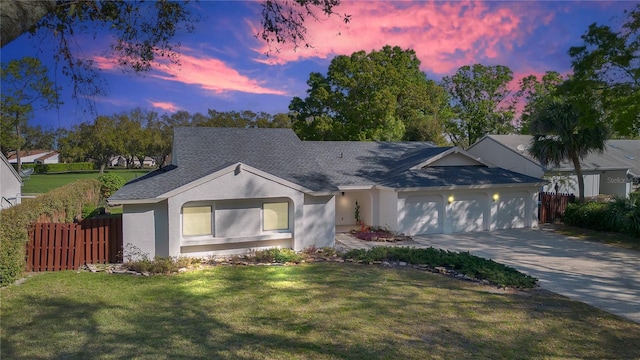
(18, 16)
(578, 168)
(102, 166)
(18, 144)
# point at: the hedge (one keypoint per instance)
(63, 167)
(60, 205)
(620, 215)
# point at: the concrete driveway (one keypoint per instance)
(596, 274)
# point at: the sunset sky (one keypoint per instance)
(224, 67)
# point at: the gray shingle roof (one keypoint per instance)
(321, 166)
(618, 154)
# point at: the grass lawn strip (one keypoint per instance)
(310, 311)
(615, 239)
(42, 183)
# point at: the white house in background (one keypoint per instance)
(612, 173)
(230, 190)
(10, 184)
(121, 161)
(35, 157)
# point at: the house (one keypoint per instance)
(121, 161)
(35, 157)
(10, 184)
(259, 188)
(612, 173)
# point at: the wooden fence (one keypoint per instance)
(552, 206)
(61, 246)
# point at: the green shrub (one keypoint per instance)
(620, 215)
(63, 167)
(63, 204)
(465, 263)
(110, 183)
(277, 255)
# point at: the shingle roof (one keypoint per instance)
(618, 154)
(320, 166)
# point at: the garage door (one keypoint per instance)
(511, 211)
(422, 215)
(467, 213)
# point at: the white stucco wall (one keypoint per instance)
(387, 209)
(346, 205)
(144, 230)
(615, 183)
(10, 185)
(319, 222)
(501, 156)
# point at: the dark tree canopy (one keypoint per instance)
(381, 95)
(480, 99)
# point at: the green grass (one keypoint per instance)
(42, 183)
(611, 238)
(311, 311)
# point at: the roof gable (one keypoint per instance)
(452, 157)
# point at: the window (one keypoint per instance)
(275, 216)
(196, 220)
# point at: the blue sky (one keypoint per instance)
(224, 67)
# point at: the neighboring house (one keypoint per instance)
(612, 172)
(35, 157)
(121, 161)
(10, 184)
(230, 190)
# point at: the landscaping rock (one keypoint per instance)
(402, 263)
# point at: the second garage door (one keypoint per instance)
(467, 213)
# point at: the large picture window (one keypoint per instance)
(196, 220)
(275, 216)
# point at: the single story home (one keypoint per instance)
(35, 157)
(611, 173)
(121, 161)
(10, 184)
(230, 190)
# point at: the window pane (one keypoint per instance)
(196, 220)
(276, 216)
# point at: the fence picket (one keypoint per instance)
(60, 246)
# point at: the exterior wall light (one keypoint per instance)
(496, 197)
(343, 193)
(450, 199)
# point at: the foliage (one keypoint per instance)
(25, 87)
(64, 204)
(381, 95)
(479, 95)
(110, 183)
(559, 136)
(463, 262)
(276, 255)
(63, 167)
(609, 61)
(534, 92)
(620, 215)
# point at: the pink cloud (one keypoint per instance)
(211, 75)
(208, 73)
(166, 106)
(445, 36)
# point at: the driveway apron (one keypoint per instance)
(600, 275)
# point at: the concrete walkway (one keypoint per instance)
(600, 275)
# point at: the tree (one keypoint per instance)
(479, 96)
(101, 140)
(559, 135)
(381, 95)
(534, 92)
(25, 87)
(609, 62)
(141, 30)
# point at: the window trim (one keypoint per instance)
(211, 221)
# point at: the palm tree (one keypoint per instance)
(560, 135)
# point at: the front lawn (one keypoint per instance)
(314, 311)
(42, 183)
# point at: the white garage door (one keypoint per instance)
(422, 215)
(511, 211)
(467, 213)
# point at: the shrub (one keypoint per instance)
(277, 255)
(63, 204)
(110, 183)
(465, 263)
(620, 215)
(63, 167)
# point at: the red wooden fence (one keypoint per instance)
(552, 206)
(60, 246)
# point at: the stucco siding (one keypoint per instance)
(144, 229)
(501, 156)
(10, 186)
(319, 222)
(388, 209)
(615, 183)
